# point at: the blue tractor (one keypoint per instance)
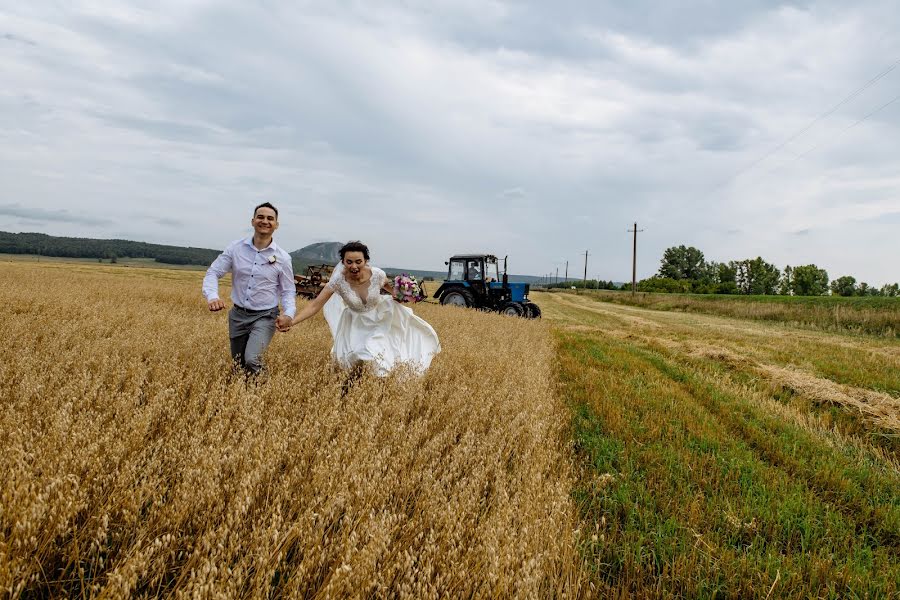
(474, 281)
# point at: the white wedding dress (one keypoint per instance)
(379, 331)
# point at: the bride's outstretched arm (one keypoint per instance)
(313, 306)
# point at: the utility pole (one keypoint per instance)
(557, 274)
(635, 231)
(585, 268)
(567, 271)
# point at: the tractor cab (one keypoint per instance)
(474, 280)
(477, 271)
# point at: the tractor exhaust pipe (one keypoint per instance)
(505, 271)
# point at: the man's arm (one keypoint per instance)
(288, 292)
(216, 271)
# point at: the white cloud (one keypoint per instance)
(506, 126)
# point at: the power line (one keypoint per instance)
(809, 126)
(825, 141)
(852, 125)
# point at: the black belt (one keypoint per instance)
(250, 311)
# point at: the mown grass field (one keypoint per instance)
(604, 451)
(871, 315)
(726, 458)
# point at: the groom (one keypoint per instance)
(261, 274)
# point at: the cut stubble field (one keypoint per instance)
(870, 315)
(727, 458)
(605, 451)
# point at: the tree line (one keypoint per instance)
(684, 269)
(590, 284)
(48, 245)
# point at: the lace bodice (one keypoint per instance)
(343, 289)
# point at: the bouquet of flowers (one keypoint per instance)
(407, 289)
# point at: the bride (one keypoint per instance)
(367, 327)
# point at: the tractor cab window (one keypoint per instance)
(457, 270)
(491, 272)
(475, 273)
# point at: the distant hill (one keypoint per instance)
(48, 245)
(318, 253)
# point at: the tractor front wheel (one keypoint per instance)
(458, 297)
(512, 309)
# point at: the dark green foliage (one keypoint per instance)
(683, 269)
(590, 284)
(805, 280)
(48, 245)
(756, 276)
(682, 262)
(844, 286)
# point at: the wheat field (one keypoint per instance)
(604, 451)
(135, 465)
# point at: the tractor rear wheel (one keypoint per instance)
(532, 310)
(512, 309)
(458, 297)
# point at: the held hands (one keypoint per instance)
(283, 323)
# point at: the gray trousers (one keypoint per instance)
(251, 332)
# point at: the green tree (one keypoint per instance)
(756, 276)
(726, 278)
(844, 286)
(682, 262)
(809, 280)
(786, 283)
(890, 290)
(726, 273)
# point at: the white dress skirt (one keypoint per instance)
(380, 331)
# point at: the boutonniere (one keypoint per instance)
(272, 260)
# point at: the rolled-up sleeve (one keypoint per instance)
(216, 271)
(288, 289)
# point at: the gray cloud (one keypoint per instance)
(168, 222)
(563, 124)
(33, 215)
(15, 38)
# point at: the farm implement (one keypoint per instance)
(314, 281)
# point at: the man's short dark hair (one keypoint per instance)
(266, 205)
(355, 246)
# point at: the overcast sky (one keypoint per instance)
(533, 129)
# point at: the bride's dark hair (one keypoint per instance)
(355, 246)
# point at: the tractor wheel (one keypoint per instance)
(532, 310)
(512, 309)
(458, 297)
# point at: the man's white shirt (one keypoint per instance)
(258, 280)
